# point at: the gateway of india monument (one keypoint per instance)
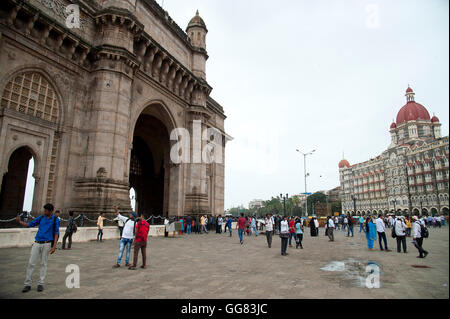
(97, 93)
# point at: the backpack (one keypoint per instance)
(424, 231)
(53, 231)
(74, 227)
(393, 234)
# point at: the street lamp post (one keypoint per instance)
(421, 208)
(283, 198)
(354, 203)
(306, 175)
(395, 210)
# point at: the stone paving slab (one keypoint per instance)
(217, 266)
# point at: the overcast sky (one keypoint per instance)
(325, 75)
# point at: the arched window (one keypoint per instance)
(30, 93)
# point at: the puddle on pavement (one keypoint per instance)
(353, 272)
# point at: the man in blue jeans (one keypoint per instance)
(241, 227)
(349, 225)
(361, 222)
(188, 225)
(129, 229)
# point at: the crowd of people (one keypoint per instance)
(134, 229)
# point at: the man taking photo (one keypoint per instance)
(44, 244)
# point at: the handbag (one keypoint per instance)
(284, 235)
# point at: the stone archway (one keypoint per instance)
(12, 192)
(151, 174)
(149, 165)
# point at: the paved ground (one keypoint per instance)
(216, 266)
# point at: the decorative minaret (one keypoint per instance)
(196, 30)
(410, 94)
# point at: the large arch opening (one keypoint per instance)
(16, 193)
(149, 173)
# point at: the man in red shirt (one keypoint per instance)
(292, 231)
(241, 227)
(140, 243)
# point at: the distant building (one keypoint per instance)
(333, 194)
(256, 203)
(410, 176)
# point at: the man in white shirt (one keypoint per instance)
(331, 227)
(269, 229)
(400, 233)
(381, 230)
(128, 233)
(418, 238)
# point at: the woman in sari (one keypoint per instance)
(371, 233)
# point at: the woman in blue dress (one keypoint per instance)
(371, 233)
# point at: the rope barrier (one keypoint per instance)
(84, 218)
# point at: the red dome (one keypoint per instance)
(393, 125)
(412, 111)
(409, 90)
(344, 163)
(435, 119)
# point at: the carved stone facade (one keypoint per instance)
(411, 176)
(95, 107)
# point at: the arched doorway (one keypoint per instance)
(14, 183)
(149, 162)
(445, 211)
(434, 211)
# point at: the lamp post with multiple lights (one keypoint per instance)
(306, 175)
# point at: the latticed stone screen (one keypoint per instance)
(30, 93)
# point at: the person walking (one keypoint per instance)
(284, 235)
(361, 223)
(381, 230)
(100, 220)
(317, 225)
(253, 226)
(299, 233)
(292, 233)
(371, 233)
(399, 227)
(345, 224)
(129, 230)
(203, 224)
(419, 230)
(219, 224)
(44, 244)
(312, 227)
(142, 228)
(349, 225)
(229, 224)
(408, 226)
(241, 228)
(269, 229)
(71, 228)
(188, 225)
(331, 227)
(336, 223)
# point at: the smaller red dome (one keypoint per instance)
(435, 119)
(344, 163)
(409, 90)
(393, 125)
